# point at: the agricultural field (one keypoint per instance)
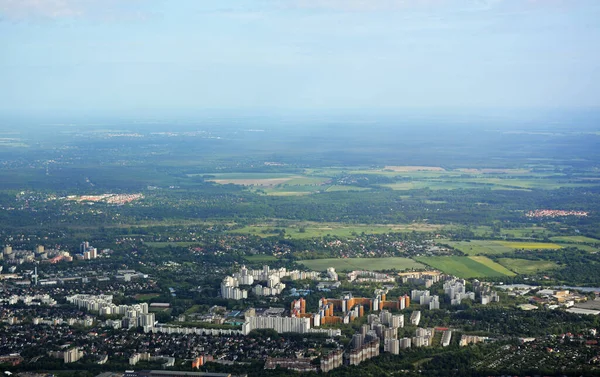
(527, 267)
(479, 247)
(574, 239)
(311, 181)
(305, 230)
(525, 233)
(170, 244)
(530, 245)
(493, 247)
(146, 296)
(371, 264)
(260, 258)
(466, 267)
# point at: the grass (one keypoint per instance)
(260, 258)
(466, 267)
(305, 230)
(479, 247)
(311, 181)
(192, 309)
(530, 245)
(493, 265)
(574, 239)
(588, 248)
(493, 247)
(146, 296)
(371, 264)
(527, 267)
(346, 188)
(167, 244)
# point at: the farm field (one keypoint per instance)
(527, 267)
(466, 267)
(346, 188)
(260, 258)
(311, 181)
(314, 229)
(530, 245)
(371, 264)
(477, 247)
(574, 239)
(173, 244)
(146, 296)
(492, 247)
(526, 233)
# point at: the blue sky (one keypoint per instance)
(151, 56)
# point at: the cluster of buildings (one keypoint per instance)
(369, 277)
(426, 278)
(301, 365)
(39, 254)
(145, 356)
(134, 315)
(465, 340)
(87, 252)
(39, 299)
(455, 289)
(425, 298)
(117, 199)
(271, 279)
(554, 213)
(485, 292)
(353, 307)
(72, 355)
(85, 321)
(201, 360)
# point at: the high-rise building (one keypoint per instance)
(72, 355)
(392, 346)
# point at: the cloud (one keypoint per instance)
(40, 8)
(55, 9)
(398, 5)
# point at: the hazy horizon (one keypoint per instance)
(154, 57)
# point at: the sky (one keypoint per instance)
(163, 57)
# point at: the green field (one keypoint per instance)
(574, 239)
(371, 264)
(173, 244)
(305, 230)
(530, 245)
(527, 267)
(260, 258)
(479, 247)
(466, 267)
(493, 247)
(310, 181)
(346, 188)
(146, 296)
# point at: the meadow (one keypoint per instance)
(527, 267)
(309, 181)
(170, 244)
(493, 247)
(371, 264)
(260, 258)
(574, 239)
(307, 229)
(466, 267)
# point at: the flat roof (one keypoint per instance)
(176, 373)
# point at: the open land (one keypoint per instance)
(466, 267)
(527, 267)
(491, 247)
(305, 230)
(371, 264)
